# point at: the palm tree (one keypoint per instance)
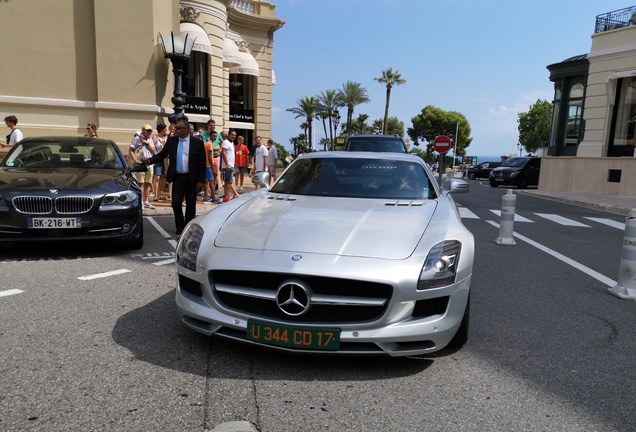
(307, 108)
(390, 78)
(328, 100)
(352, 94)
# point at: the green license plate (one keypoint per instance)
(294, 337)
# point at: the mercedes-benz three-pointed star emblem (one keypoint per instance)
(293, 298)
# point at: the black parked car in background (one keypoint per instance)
(481, 170)
(69, 188)
(518, 171)
(376, 143)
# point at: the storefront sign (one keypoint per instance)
(245, 116)
(197, 105)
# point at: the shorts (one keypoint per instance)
(240, 170)
(144, 177)
(209, 175)
(228, 176)
(216, 165)
(271, 169)
(158, 169)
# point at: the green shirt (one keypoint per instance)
(216, 144)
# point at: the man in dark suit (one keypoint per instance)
(186, 171)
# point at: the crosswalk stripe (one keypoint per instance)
(561, 220)
(467, 214)
(10, 292)
(518, 218)
(608, 222)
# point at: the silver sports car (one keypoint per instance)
(347, 253)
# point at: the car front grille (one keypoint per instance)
(44, 205)
(254, 293)
(33, 204)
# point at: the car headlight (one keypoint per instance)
(189, 247)
(119, 198)
(440, 267)
(514, 174)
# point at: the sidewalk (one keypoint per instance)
(622, 205)
(164, 208)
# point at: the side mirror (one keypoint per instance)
(261, 179)
(457, 186)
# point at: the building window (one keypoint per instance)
(195, 75)
(241, 90)
(623, 133)
(575, 115)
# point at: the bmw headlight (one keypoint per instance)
(440, 267)
(189, 247)
(119, 198)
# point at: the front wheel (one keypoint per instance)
(471, 176)
(522, 183)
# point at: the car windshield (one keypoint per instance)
(56, 154)
(514, 162)
(356, 178)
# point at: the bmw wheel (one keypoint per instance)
(471, 176)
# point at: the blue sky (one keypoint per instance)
(484, 58)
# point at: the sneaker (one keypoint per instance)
(201, 194)
(226, 198)
(217, 201)
(207, 201)
(149, 206)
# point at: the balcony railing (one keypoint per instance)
(616, 19)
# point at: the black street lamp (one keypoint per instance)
(335, 118)
(177, 49)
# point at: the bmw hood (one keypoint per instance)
(20, 179)
(334, 226)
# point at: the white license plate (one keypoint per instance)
(55, 223)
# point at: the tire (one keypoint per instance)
(461, 337)
(471, 176)
(493, 184)
(522, 183)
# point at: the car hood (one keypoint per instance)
(21, 179)
(335, 226)
(504, 170)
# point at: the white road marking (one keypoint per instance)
(10, 292)
(562, 220)
(608, 222)
(104, 275)
(162, 231)
(596, 275)
(467, 214)
(168, 261)
(518, 218)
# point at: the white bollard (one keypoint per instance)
(507, 220)
(626, 286)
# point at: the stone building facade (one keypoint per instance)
(68, 63)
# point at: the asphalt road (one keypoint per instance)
(549, 348)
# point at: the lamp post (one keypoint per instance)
(177, 49)
(335, 118)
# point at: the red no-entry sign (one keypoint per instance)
(442, 144)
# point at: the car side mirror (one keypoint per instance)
(457, 186)
(261, 179)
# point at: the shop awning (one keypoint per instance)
(202, 42)
(231, 54)
(248, 65)
(239, 125)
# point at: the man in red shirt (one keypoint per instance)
(240, 163)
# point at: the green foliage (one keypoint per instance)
(390, 78)
(433, 121)
(299, 144)
(308, 107)
(394, 126)
(534, 126)
(351, 95)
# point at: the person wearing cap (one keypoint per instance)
(142, 148)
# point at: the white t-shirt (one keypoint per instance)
(229, 153)
(15, 137)
(260, 153)
(140, 149)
